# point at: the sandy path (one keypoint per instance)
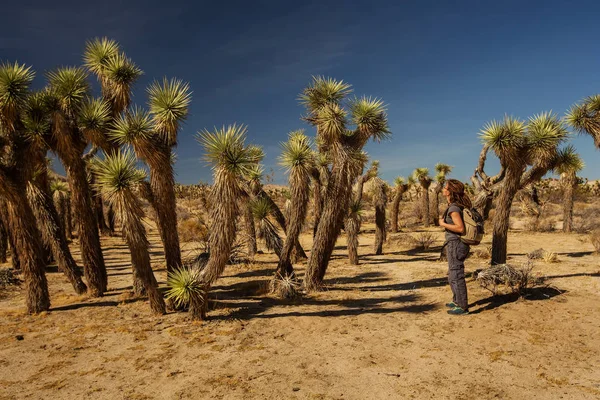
(380, 331)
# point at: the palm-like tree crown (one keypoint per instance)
(506, 138)
(585, 118)
(135, 125)
(399, 181)
(169, 102)
(369, 115)
(225, 149)
(323, 91)
(545, 132)
(70, 87)
(14, 89)
(117, 174)
(297, 153)
(568, 161)
(98, 53)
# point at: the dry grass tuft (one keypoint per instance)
(483, 252)
(423, 240)
(595, 239)
(536, 254)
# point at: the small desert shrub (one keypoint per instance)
(7, 278)
(550, 257)
(516, 279)
(483, 252)
(423, 240)
(595, 239)
(192, 229)
(285, 287)
(586, 218)
(540, 224)
(186, 290)
(536, 254)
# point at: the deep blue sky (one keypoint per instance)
(443, 67)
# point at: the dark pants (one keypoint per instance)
(457, 253)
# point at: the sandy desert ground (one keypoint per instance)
(379, 331)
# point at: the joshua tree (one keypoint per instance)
(353, 219)
(518, 144)
(401, 187)
(343, 146)
(569, 163)
(261, 209)
(70, 114)
(116, 74)
(152, 137)
(231, 161)
(422, 176)
(380, 202)
(15, 170)
(320, 175)
(60, 196)
(352, 227)
(585, 118)
(440, 178)
(117, 179)
(297, 158)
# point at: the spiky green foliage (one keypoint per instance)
(59, 186)
(121, 73)
(369, 116)
(70, 87)
(545, 132)
(421, 173)
(399, 181)
(98, 53)
(322, 91)
(568, 160)
(35, 118)
(441, 168)
(411, 181)
(506, 138)
(94, 119)
(225, 148)
(261, 209)
(184, 285)
(14, 89)
(297, 152)
(585, 118)
(135, 125)
(169, 102)
(117, 173)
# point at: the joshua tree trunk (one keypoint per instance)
(3, 241)
(502, 218)
(68, 218)
(425, 201)
(94, 269)
(317, 205)
(300, 190)
(110, 215)
(49, 225)
(28, 242)
(161, 181)
(435, 204)
(250, 230)
(279, 217)
(396, 209)
(135, 236)
(99, 210)
(380, 202)
(569, 184)
(331, 223)
(352, 227)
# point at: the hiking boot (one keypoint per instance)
(451, 305)
(458, 311)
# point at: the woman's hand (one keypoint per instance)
(442, 223)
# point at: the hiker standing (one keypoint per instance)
(457, 250)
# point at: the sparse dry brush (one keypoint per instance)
(516, 279)
(595, 239)
(423, 240)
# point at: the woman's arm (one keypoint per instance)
(457, 225)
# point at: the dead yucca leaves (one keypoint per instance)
(550, 257)
(516, 279)
(423, 240)
(285, 287)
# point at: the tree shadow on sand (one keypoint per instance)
(534, 294)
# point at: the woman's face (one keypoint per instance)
(445, 190)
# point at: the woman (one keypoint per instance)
(452, 221)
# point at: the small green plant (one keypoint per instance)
(285, 287)
(187, 290)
